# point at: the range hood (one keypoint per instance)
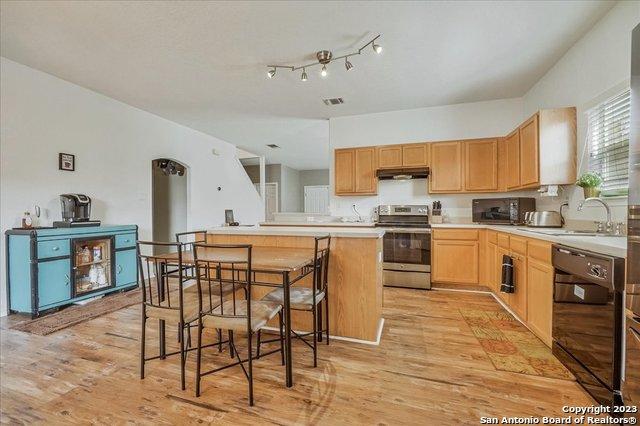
(403, 174)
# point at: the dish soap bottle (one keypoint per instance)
(27, 220)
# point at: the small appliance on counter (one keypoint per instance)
(502, 211)
(76, 211)
(406, 245)
(545, 219)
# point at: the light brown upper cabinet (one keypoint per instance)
(415, 155)
(390, 157)
(481, 165)
(512, 162)
(408, 155)
(355, 171)
(446, 167)
(529, 153)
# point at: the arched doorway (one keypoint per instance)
(169, 200)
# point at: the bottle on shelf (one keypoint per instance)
(27, 220)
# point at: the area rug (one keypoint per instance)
(76, 314)
(511, 346)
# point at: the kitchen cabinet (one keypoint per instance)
(449, 246)
(446, 167)
(390, 157)
(54, 282)
(493, 277)
(415, 155)
(529, 153)
(512, 162)
(481, 165)
(518, 299)
(500, 253)
(355, 171)
(540, 298)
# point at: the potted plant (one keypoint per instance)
(590, 183)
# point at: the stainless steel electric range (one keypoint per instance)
(406, 245)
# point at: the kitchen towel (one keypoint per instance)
(508, 285)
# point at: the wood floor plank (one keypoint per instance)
(429, 367)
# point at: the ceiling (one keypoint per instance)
(203, 64)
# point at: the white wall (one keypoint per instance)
(451, 122)
(114, 145)
(595, 68)
(291, 192)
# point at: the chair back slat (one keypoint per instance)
(162, 279)
(321, 263)
(190, 238)
(218, 265)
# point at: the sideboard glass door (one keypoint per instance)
(92, 265)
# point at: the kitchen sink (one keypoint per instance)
(561, 232)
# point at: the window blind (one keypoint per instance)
(608, 133)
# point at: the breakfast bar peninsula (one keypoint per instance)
(355, 272)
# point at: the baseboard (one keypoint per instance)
(346, 339)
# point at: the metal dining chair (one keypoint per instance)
(218, 266)
(310, 299)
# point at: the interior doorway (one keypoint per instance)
(169, 199)
(270, 199)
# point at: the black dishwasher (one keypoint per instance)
(588, 319)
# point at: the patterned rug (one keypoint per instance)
(511, 346)
(76, 314)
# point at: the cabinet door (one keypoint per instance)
(481, 165)
(512, 148)
(529, 153)
(518, 299)
(446, 167)
(445, 261)
(493, 275)
(540, 298)
(344, 171)
(126, 270)
(415, 155)
(365, 171)
(390, 157)
(54, 282)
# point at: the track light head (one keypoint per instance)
(348, 65)
(271, 73)
(303, 77)
(323, 73)
(377, 48)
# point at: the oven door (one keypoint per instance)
(409, 248)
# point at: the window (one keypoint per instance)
(608, 135)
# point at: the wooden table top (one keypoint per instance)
(273, 259)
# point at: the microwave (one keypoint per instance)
(506, 211)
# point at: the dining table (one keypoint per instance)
(288, 264)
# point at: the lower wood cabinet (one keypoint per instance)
(455, 261)
(518, 299)
(540, 298)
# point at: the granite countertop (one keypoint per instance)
(612, 246)
(302, 231)
(322, 224)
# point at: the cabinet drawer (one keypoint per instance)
(540, 250)
(518, 245)
(53, 248)
(503, 241)
(492, 236)
(455, 234)
(125, 240)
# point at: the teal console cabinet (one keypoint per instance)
(51, 267)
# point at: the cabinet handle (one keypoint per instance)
(127, 240)
(119, 269)
(55, 248)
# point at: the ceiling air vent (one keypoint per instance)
(333, 101)
(273, 145)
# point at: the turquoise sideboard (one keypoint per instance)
(51, 267)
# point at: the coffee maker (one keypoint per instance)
(76, 211)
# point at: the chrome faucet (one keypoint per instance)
(608, 226)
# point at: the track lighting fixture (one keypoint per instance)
(325, 57)
(348, 65)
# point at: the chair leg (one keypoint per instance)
(182, 354)
(315, 335)
(318, 328)
(198, 357)
(326, 313)
(250, 370)
(231, 342)
(258, 345)
(142, 344)
(281, 323)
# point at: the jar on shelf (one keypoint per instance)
(97, 253)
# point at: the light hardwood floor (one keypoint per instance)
(429, 369)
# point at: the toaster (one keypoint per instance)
(544, 219)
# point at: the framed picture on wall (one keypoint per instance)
(66, 162)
